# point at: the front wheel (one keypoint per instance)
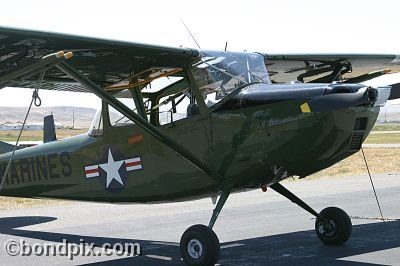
(200, 246)
(336, 228)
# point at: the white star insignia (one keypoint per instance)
(111, 168)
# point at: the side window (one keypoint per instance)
(116, 118)
(125, 97)
(177, 106)
(168, 89)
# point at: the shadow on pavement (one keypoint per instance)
(299, 248)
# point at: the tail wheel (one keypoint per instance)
(200, 246)
(336, 228)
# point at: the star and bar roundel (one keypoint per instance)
(112, 169)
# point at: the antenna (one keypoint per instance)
(191, 35)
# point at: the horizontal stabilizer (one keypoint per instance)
(49, 130)
(5, 147)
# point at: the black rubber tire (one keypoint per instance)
(341, 226)
(209, 244)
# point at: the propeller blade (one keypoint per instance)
(395, 92)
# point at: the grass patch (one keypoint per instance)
(379, 161)
(386, 127)
(19, 203)
(37, 135)
(382, 138)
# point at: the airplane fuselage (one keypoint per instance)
(248, 143)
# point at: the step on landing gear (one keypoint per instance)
(333, 225)
(199, 244)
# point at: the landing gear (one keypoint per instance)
(337, 227)
(333, 225)
(199, 244)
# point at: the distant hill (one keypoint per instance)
(62, 114)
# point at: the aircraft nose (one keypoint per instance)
(339, 97)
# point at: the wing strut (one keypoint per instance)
(152, 130)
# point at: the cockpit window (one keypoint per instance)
(116, 118)
(220, 73)
(125, 97)
(177, 106)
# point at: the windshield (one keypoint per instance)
(219, 73)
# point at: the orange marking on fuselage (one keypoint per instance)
(135, 139)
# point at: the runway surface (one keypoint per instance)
(254, 228)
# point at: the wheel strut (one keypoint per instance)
(221, 202)
(289, 195)
(199, 244)
(333, 225)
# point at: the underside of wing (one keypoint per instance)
(327, 68)
(108, 63)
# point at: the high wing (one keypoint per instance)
(113, 64)
(109, 62)
(327, 68)
(105, 62)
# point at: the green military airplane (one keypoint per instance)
(181, 124)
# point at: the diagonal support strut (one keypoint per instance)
(221, 202)
(293, 198)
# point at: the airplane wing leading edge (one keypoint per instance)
(105, 62)
(327, 68)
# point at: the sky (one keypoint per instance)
(303, 26)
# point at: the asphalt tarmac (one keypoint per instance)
(254, 228)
